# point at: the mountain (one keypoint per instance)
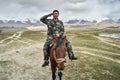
(108, 21)
(85, 22)
(94, 21)
(29, 22)
(11, 21)
(118, 21)
(75, 21)
(19, 23)
(1, 22)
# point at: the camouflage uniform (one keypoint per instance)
(53, 27)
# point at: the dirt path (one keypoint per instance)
(104, 57)
(10, 39)
(96, 50)
(107, 41)
(15, 36)
(91, 51)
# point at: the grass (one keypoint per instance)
(87, 39)
(114, 40)
(91, 67)
(5, 35)
(24, 65)
(34, 35)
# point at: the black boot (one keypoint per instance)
(46, 63)
(46, 58)
(71, 55)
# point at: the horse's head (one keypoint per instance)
(60, 51)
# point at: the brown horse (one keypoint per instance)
(57, 56)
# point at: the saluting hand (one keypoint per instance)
(50, 14)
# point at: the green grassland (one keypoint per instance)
(21, 58)
(90, 67)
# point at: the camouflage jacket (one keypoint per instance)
(53, 26)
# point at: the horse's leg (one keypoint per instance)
(53, 76)
(53, 67)
(60, 75)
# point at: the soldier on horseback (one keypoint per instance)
(55, 28)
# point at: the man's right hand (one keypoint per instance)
(57, 35)
(50, 14)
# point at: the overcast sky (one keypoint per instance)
(69, 9)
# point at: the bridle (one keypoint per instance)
(59, 60)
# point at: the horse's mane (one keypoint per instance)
(57, 41)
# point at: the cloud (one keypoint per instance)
(73, 9)
(76, 1)
(111, 8)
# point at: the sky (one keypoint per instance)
(69, 9)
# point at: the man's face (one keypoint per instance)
(55, 15)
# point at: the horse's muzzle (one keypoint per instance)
(60, 63)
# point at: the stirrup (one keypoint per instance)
(73, 58)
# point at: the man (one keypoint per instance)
(55, 27)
